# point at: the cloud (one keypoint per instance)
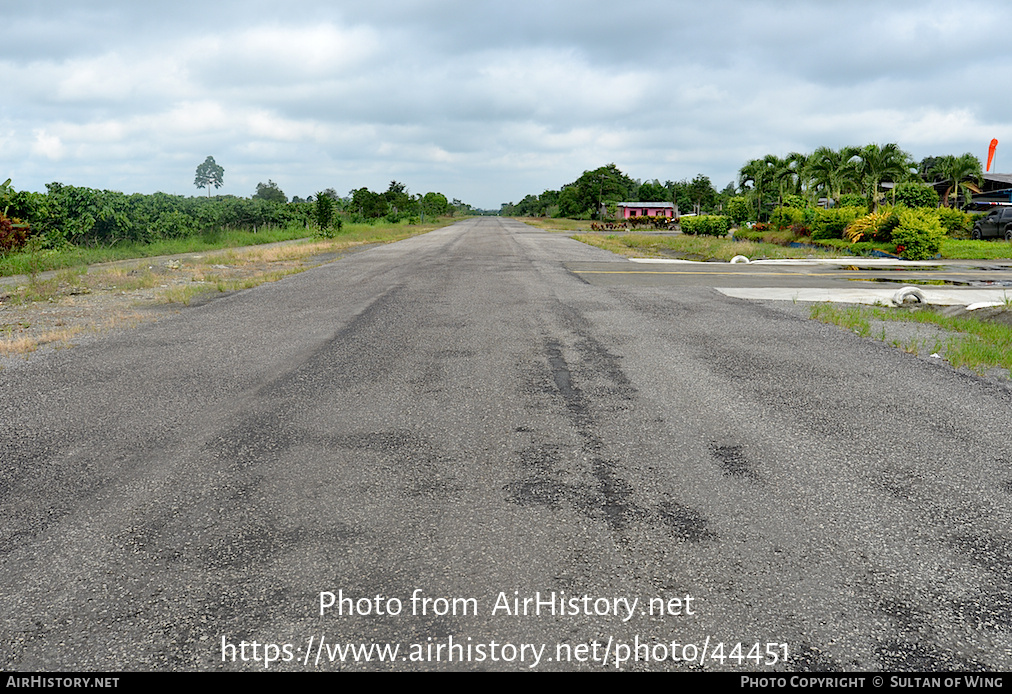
(484, 101)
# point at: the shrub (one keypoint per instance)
(853, 200)
(874, 226)
(957, 224)
(13, 234)
(831, 223)
(919, 235)
(915, 194)
(323, 211)
(738, 209)
(706, 225)
(785, 217)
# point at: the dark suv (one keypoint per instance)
(998, 222)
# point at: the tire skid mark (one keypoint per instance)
(605, 496)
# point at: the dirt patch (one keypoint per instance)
(59, 309)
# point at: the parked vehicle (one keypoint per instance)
(998, 222)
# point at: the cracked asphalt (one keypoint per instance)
(460, 416)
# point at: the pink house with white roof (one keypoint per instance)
(644, 209)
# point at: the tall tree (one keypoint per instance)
(833, 172)
(761, 173)
(209, 174)
(597, 186)
(883, 163)
(963, 174)
(702, 193)
(270, 191)
(653, 191)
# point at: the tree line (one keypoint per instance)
(67, 214)
(855, 175)
(584, 197)
(850, 175)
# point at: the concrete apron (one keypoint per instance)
(970, 297)
(943, 296)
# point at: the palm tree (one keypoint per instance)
(960, 171)
(756, 172)
(833, 171)
(790, 174)
(877, 164)
(768, 172)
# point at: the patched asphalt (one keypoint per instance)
(467, 415)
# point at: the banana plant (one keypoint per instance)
(5, 195)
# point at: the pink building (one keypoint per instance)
(645, 209)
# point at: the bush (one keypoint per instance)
(957, 224)
(13, 234)
(831, 223)
(874, 226)
(916, 195)
(738, 209)
(706, 225)
(795, 201)
(919, 235)
(785, 217)
(853, 200)
(323, 211)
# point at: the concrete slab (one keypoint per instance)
(941, 296)
(850, 261)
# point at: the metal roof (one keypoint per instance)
(645, 204)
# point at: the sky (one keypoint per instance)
(482, 101)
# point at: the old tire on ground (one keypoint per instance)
(908, 295)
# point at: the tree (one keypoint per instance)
(209, 174)
(884, 163)
(324, 211)
(368, 203)
(702, 193)
(832, 172)
(653, 191)
(399, 200)
(435, 204)
(595, 187)
(761, 174)
(959, 171)
(269, 191)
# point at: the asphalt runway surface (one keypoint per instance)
(467, 455)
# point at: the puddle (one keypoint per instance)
(907, 280)
(990, 283)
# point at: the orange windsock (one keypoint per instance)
(990, 153)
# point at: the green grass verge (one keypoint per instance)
(976, 344)
(976, 250)
(24, 263)
(696, 247)
(556, 223)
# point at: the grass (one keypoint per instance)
(975, 343)
(696, 247)
(852, 318)
(556, 224)
(120, 290)
(772, 244)
(976, 250)
(27, 263)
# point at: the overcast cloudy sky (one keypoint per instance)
(484, 101)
